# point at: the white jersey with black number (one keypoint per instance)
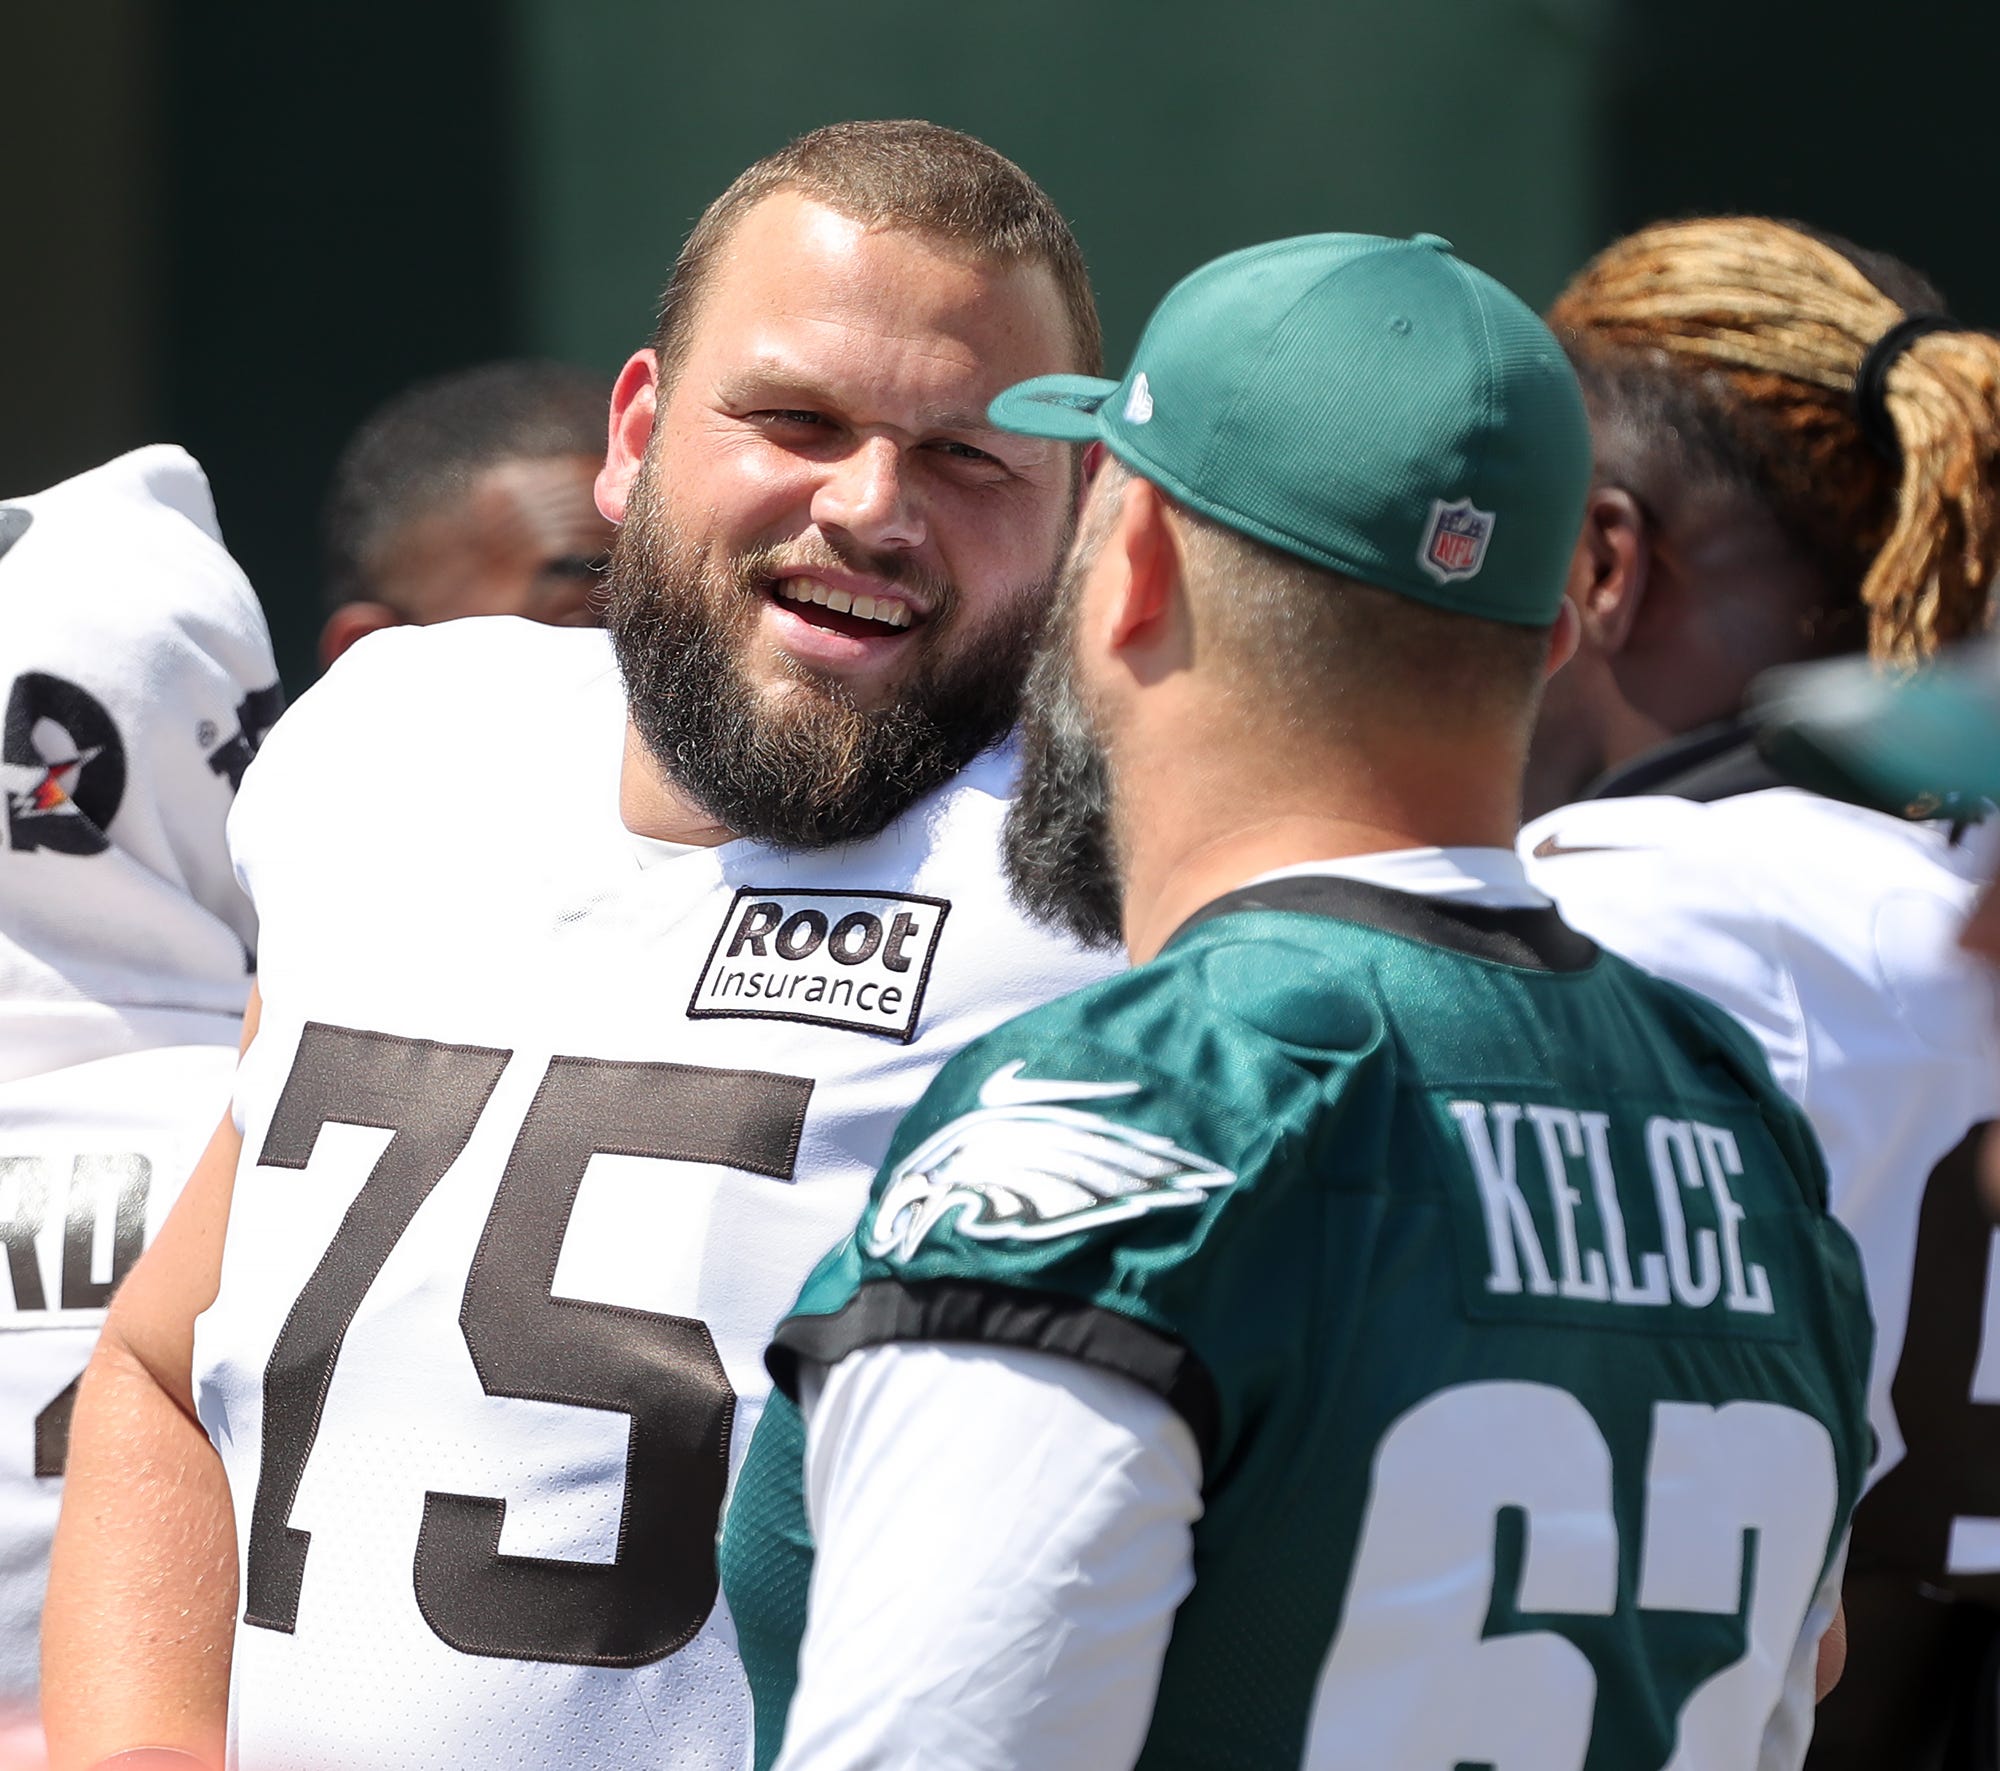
(1830, 932)
(543, 1129)
(91, 1157)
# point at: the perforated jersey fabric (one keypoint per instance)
(531, 1169)
(1830, 933)
(136, 678)
(1492, 1278)
(92, 1156)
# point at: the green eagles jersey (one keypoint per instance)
(1495, 1281)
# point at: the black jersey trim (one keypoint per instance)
(1532, 937)
(1723, 761)
(1712, 763)
(886, 1310)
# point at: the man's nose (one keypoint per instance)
(867, 492)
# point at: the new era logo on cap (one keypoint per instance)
(1455, 540)
(1139, 402)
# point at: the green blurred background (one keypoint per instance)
(239, 225)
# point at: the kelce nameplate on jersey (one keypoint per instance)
(837, 959)
(1562, 1212)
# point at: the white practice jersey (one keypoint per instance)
(137, 677)
(91, 1157)
(544, 1127)
(1830, 932)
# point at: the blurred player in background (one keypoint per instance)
(137, 681)
(588, 1008)
(1370, 1333)
(1930, 739)
(470, 494)
(1798, 453)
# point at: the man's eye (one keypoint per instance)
(964, 452)
(788, 416)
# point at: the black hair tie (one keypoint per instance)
(1871, 380)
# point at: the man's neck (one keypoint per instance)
(651, 804)
(1587, 728)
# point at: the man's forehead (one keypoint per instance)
(794, 259)
(790, 220)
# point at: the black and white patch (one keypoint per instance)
(1024, 1166)
(62, 764)
(858, 960)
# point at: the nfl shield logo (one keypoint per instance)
(1455, 540)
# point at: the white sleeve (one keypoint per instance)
(1790, 1729)
(1002, 1540)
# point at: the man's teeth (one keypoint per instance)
(810, 590)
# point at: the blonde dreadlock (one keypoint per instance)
(1773, 326)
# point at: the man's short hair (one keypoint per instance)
(915, 176)
(1325, 655)
(425, 447)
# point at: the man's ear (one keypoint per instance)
(351, 622)
(1143, 541)
(1608, 573)
(634, 406)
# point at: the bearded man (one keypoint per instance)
(1403, 1312)
(586, 1014)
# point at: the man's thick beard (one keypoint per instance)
(807, 768)
(1061, 862)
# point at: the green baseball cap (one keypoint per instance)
(1925, 746)
(1374, 406)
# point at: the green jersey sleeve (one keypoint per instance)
(1106, 1178)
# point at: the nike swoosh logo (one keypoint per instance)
(1548, 848)
(1007, 1087)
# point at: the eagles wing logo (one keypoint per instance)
(1023, 1167)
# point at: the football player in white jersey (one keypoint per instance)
(1798, 453)
(137, 680)
(596, 971)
